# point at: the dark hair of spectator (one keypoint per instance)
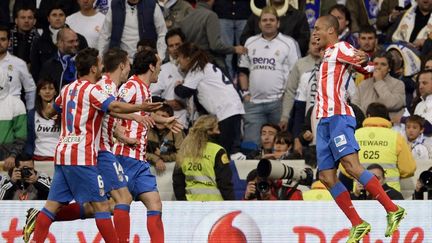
(143, 60)
(425, 59)
(368, 29)
(166, 108)
(422, 73)
(38, 102)
(112, 59)
(387, 56)
(377, 110)
(5, 29)
(22, 157)
(25, 8)
(198, 57)
(276, 127)
(283, 138)
(251, 175)
(85, 59)
(376, 166)
(146, 43)
(174, 32)
(344, 10)
(55, 6)
(416, 119)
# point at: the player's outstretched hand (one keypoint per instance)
(149, 107)
(120, 134)
(147, 121)
(173, 124)
(361, 57)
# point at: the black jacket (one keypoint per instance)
(37, 191)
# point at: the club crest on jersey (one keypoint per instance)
(340, 140)
(101, 192)
(253, 52)
(277, 53)
(120, 178)
(108, 89)
(123, 92)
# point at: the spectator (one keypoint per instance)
(360, 193)
(163, 144)
(45, 47)
(281, 146)
(23, 35)
(16, 70)
(128, 21)
(263, 74)
(421, 147)
(214, 93)
(61, 67)
(202, 27)
(69, 7)
(423, 186)
(268, 133)
(424, 107)
(265, 189)
(301, 89)
(344, 18)
(389, 12)
(13, 121)
(412, 27)
(233, 16)
(381, 88)
(174, 12)
(292, 22)
(169, 75)
(202, 172)
(24, 182)
(318, 192)
(43, 134)
(384, 146)
(368, 42)
(87, 22)
(427, 63)
(314, 9)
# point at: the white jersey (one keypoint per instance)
(165, 85)
(88, 26)
(216, 93)
(307, 88)
(81, 105)
(269, 63)
(19, 77)
(107, 130)
(47, 134)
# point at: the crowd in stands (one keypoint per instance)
(251, 65)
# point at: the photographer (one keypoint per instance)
(23, 182)
(424, 186)
(265, 189)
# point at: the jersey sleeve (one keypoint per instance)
(58, 102)
(192, 79)
(127, 92)
(99, 99)
(346, 55)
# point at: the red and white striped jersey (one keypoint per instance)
(82, 106)
(134, 91)
(107, 132)
(334, 79)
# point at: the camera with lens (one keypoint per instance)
(275, 170)
(426, 180)
(26, 172)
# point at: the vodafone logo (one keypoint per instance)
(231, 227)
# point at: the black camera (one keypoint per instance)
(277, 170)
(426, 179)
(262, 186)
(26, 172)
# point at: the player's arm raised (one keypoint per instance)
(171, 122)
(125, 108)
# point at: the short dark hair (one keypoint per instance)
(22, 157)
(25, 8)
(85, 59)
(421, 73)
(344, 10)
(284, 137)
(113, 57)
(54, 6)
(147, 43)
(387, 56)
(252, 175)
(143, 60)
(416, 119)
(376, 166)
(278, 129)
(5, 29)
(377, 110)
(174, 32)
(166, 108)
(368, 29)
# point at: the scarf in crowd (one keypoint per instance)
(372, 7)
(406, 26)
(69, 69)
(102, 6)
(312, 11)
(410, 58)
(14, 38)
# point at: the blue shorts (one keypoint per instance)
(138, 175)
(335, 139)
(111, 171)
(82, 183)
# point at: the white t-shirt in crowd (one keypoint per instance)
(47, 136)
(88, 26)
(216, 93)
(269, 63)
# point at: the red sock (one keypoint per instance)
(43, 223)
(106, 227)
(69, 212)
(374, 187)
(343, 200)
(155, 226)
(122, 222)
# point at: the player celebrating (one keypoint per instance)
(335, 132)
(141, 183)
(80, 104)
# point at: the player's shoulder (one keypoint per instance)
(253, 40)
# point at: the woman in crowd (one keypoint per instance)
(202, 171)
(42, 134)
